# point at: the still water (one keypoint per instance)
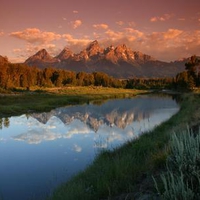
(39, 151)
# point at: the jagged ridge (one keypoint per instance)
(119, 61)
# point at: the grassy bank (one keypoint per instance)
(42, 99)
(126, 173)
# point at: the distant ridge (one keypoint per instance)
(119, 62)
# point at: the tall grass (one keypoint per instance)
(182, 179)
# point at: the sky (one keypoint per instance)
(166, 30)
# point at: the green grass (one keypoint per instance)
(42, 99)
(182, 179)
(129, 169)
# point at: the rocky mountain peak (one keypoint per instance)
(94, 48)
(122, 52)
(43, 55)
(143, 57)
(65, 54)
(121, 48)
(93, 44)
(109, 49)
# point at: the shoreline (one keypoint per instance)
(127, 171)
(41, 100)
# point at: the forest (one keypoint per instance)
(21, 75)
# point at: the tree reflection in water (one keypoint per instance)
(4, 122)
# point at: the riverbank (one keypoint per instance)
(126, 172)
(21, 101)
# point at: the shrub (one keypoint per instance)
(182, 179)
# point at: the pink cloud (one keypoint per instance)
(181, 19)
(76, 23)
(168, 45)
(120, 23)
(23, 53)
(114, 35)
(32, 49)
(36, 36)
(76, 44)
(131, 24)
(75, 11)
(163, 18)
(134, 32)
(172, 33)
(17, 50)
(100, 26)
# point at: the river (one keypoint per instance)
(39, 151)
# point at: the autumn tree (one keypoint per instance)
(192, 68)
(69, 78)
(47, 75)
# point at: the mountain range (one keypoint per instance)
(119, 62)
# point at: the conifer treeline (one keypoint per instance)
(21, 75)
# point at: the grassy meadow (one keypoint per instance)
(126, 172)
(22, 101)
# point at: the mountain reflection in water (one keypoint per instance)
(117, 119)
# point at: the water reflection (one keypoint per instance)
(42, 146)
(4, 122)
(117, 119)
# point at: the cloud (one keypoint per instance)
(168, 45)
(127, 35)
(120, 23)
(36, 40)
(134, 32)
(131, 24)
(114, 35)
(21, 54)
(77, 148)
(17, 50)
(65, 19)
(36, 36)
(172, 33)
(163, 18)
(76, 23)
(154, 19)
(100, 26)
(181, 19)
(171, 44)
(75, 11)
(1, 33)
(36, 137)
(96, 35)
(76, 44)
